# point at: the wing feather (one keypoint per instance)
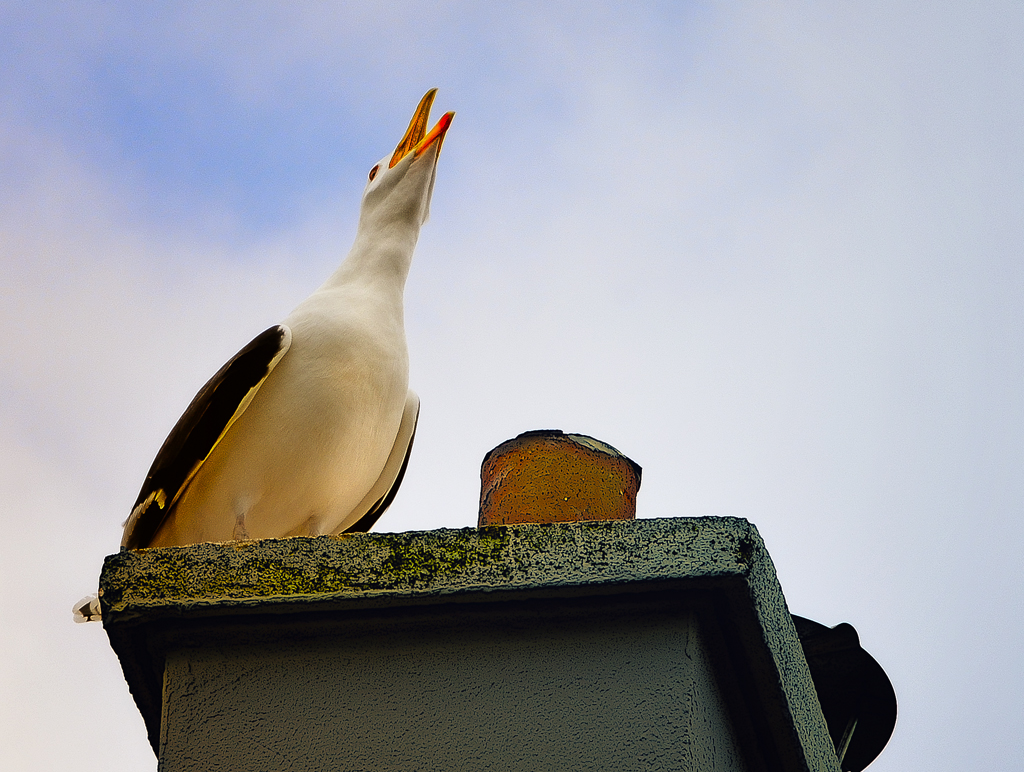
(206, 420)
(383, 492)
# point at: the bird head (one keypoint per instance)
(400, 185)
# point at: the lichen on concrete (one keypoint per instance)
(428, 562)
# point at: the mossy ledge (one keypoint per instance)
(444, 561)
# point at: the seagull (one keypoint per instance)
(308, 429)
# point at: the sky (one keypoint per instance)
(772, 251)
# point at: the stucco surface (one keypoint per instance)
(591, 689)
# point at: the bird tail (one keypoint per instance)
(87, 609)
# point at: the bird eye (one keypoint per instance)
(373, 172)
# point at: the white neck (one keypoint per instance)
(380, 259)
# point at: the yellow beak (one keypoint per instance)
(416, 139)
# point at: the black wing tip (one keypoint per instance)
(197, 431)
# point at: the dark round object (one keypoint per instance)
(855, 694)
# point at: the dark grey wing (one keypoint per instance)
(217, 405)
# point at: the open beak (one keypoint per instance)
(416, 139)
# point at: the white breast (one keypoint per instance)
(316, 436)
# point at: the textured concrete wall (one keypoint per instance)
(382, 640)
(599, 687)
